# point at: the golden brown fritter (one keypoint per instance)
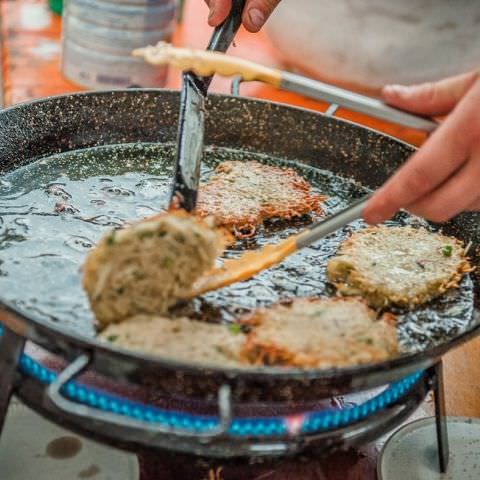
(148, 266)
(320, 333)
(242, 195)
(401, 266)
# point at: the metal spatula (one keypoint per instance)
(251, 263)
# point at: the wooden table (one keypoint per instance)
(30, 68)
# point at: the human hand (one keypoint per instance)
(442, 179)
(255, 14)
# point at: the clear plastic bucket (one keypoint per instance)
(99, 36)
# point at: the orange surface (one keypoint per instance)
(31, 51)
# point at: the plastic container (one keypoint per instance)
(99, 36)
(108, 40)
(116, 14)
(99, 70)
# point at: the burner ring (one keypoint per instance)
(307, 423)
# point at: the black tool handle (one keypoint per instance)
(192, 117)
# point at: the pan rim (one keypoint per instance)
(101, 92)
(85, 343)
(414, 360)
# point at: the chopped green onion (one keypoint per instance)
(167, 262)
(235, 328)
(447, 250)
(146, 234)
(112, 338)
(111, 238)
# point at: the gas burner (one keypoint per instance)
(117, 419)
(31, 447)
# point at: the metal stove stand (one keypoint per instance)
(133, 426)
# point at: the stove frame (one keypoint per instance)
(122, 423)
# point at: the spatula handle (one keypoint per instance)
(332, 224)
(207, 63)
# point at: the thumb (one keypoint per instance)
(438, 98)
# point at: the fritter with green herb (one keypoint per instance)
(147, 266)
(179, 339)
(402, 266)
(320, 333)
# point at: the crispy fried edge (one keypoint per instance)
(270, 354)
(359, 284)
(245, 227)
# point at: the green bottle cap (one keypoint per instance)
(56, 6)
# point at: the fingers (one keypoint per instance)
(441, 156)
(459, 193)
(455, 142)
(219, 9)
(435, 99)
(474, 206)
(257, 12)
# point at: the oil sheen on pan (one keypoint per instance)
(53, 210)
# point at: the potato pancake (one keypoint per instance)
(146, 267)
(242, 195)
(401, 266)
(320, 333)
(179, 339)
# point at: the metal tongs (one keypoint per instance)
(208, 63)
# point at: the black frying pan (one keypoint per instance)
(249, 127)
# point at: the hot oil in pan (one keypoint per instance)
(54, 210)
